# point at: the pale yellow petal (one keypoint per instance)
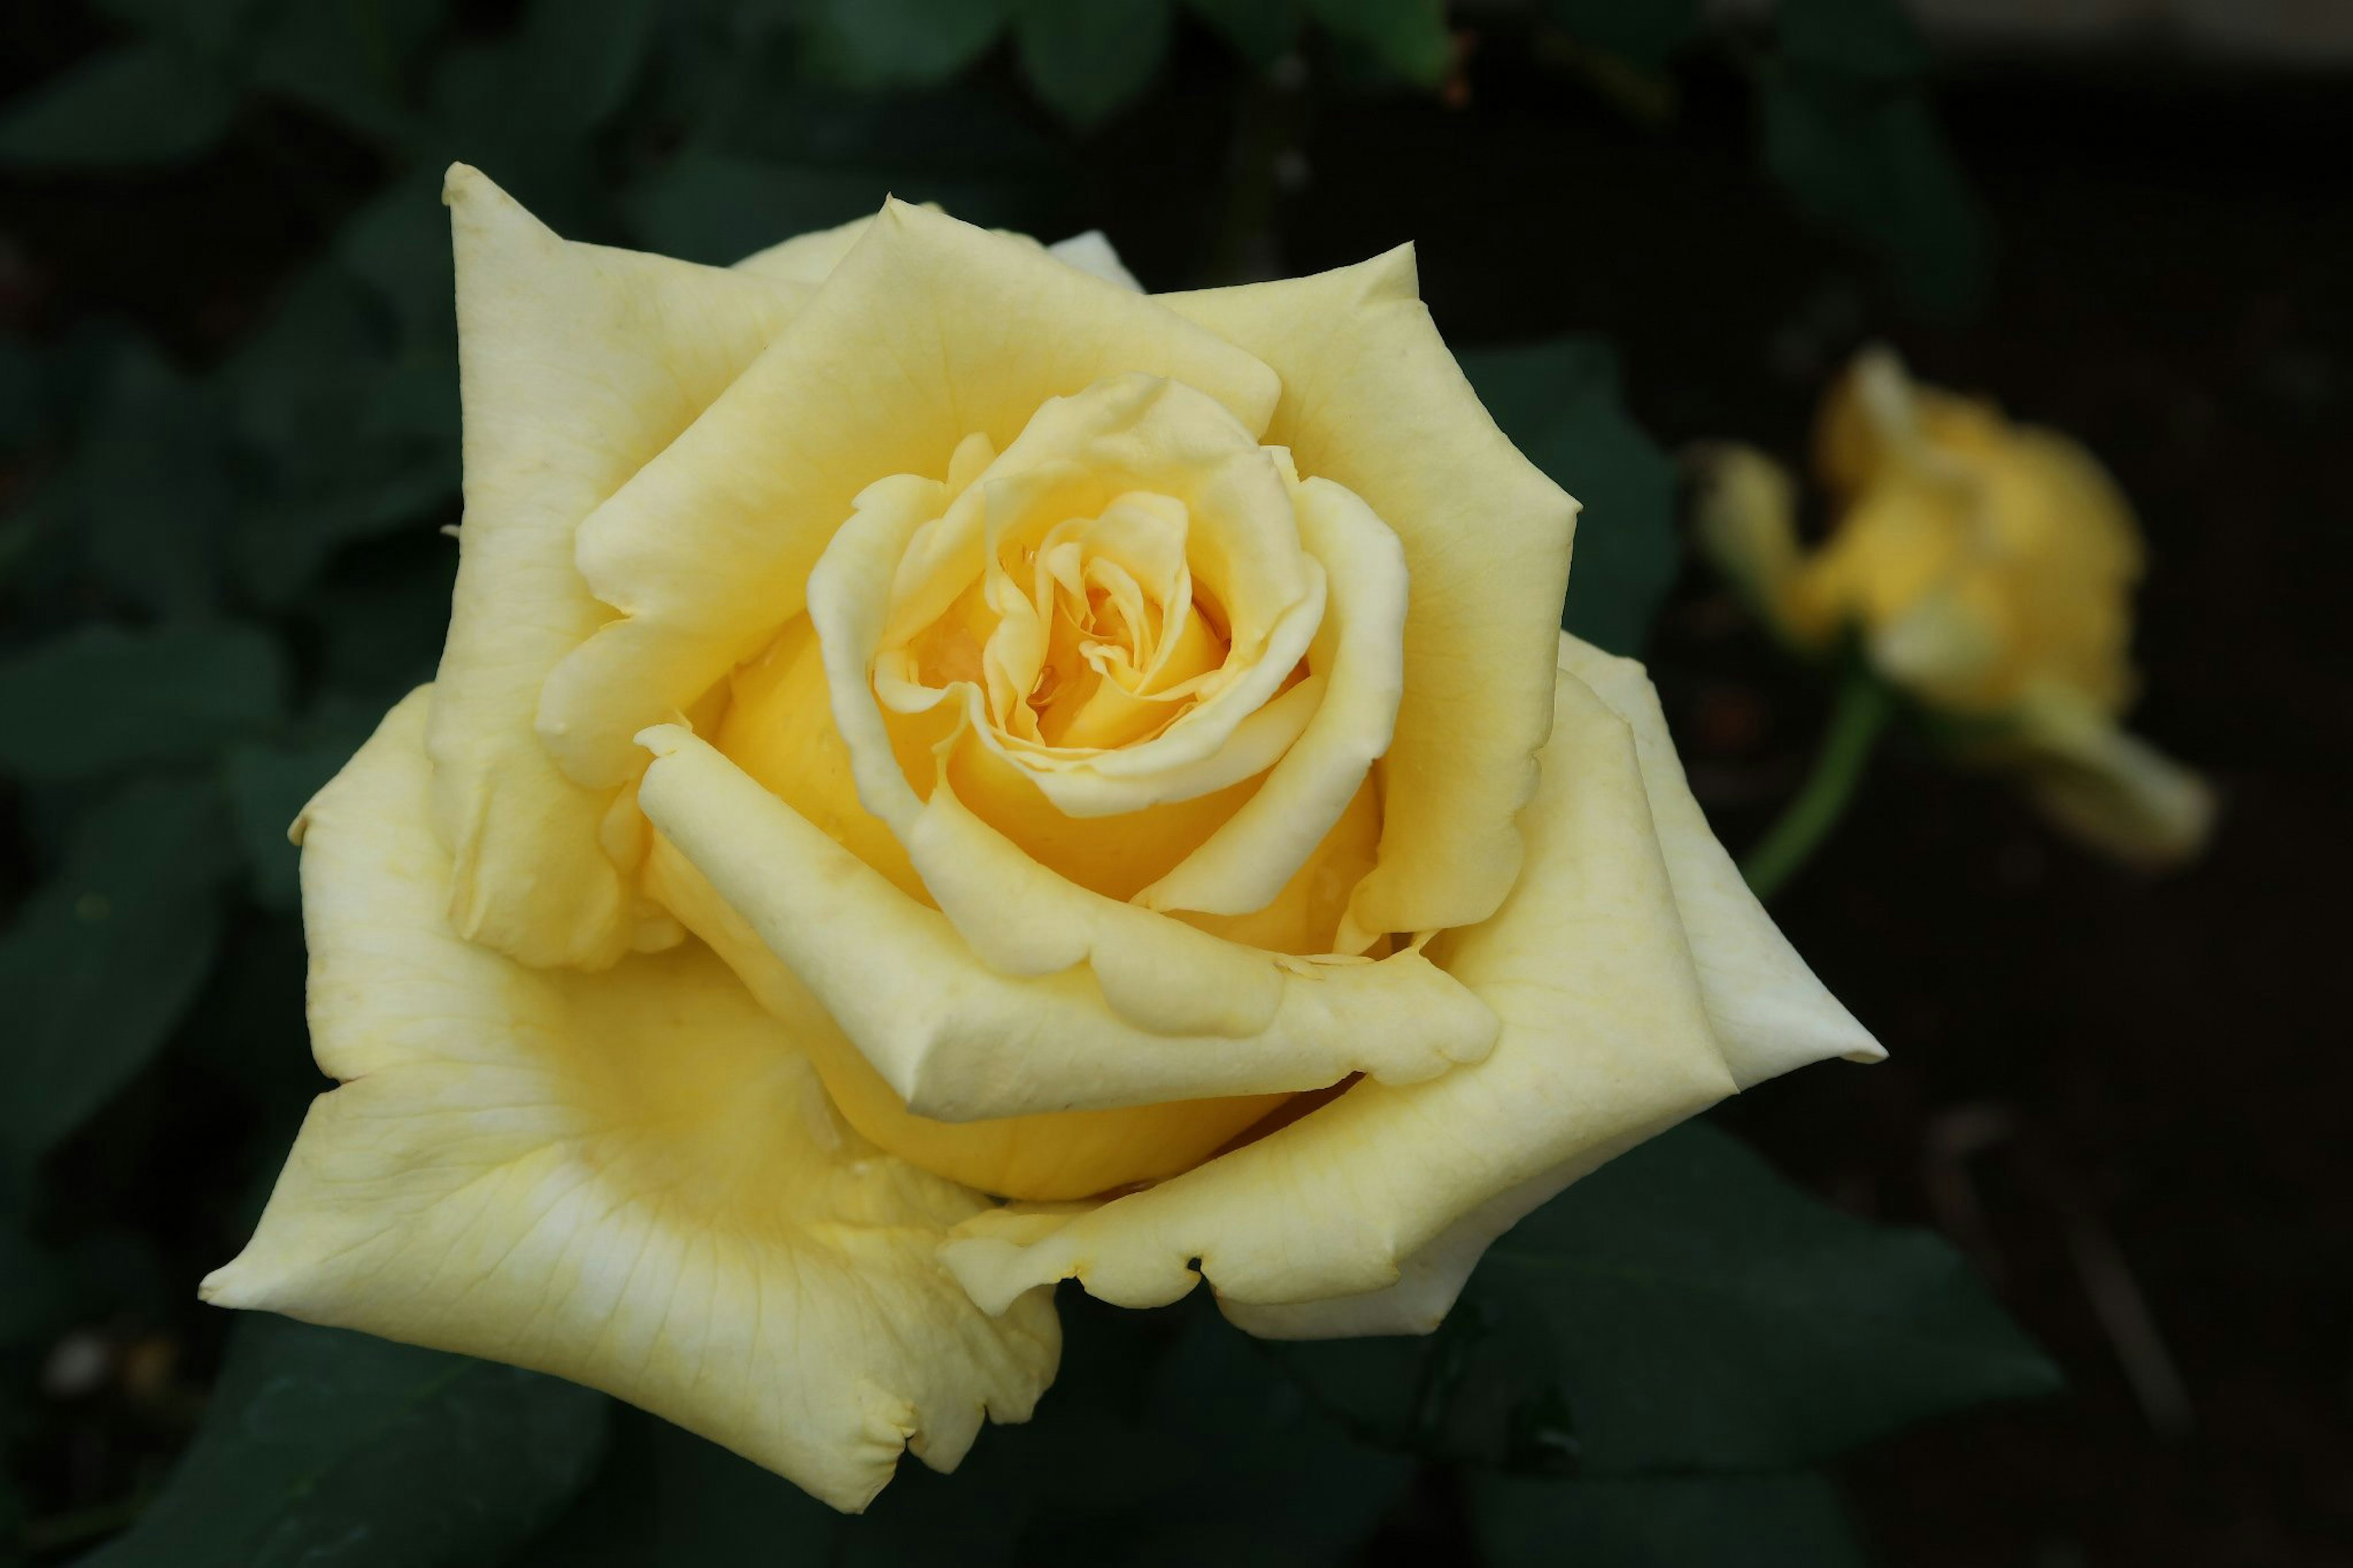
(903, 556)
(1050, 1156)
(957, 1040)
(1360, 654)
(1771, 1014)
(1744, 512)
(1605, 1035)
(1372, 400)
(631, 1179)
(927, 331)
(2110, 789)
(807, 257)
(1091, 253)
(1431, 1280)
(1768, 1014)
(576, 364)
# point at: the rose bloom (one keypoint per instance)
(950, 774)
(1988, 569)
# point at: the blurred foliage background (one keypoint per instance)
(228, 443)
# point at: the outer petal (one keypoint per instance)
(2113, 791)
(957, 1040)
(807, 257)
(1768, 1013)
(577, 364)
(1372, 400)
(631, 1179)
(1606, 1035)
(928, 331)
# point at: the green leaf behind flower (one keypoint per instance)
(1560, 403)
(1685, 1309)
(1676, 1521)
(100, 698)
(1087, 57)
(320, 1445)
(104, 959)
(135, 105)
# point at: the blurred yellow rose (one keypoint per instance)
(1988, 569)
(922, 726)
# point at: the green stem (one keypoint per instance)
(1864, 706)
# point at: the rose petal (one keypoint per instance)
(1771, 1014)
(1372, 400)
(576, 364)
(631, 1179)
(1051, 1155)
(1606, 1035)
(1361, 655)
(927, 331)
(957, 1040)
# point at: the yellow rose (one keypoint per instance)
(924, 726)
(1987, 568)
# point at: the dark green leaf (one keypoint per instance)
(914, 42)
(1708, 1314)
(576, 60)
(1168, 1439)
(33, 1295)
(381, 610)
(1868, 38)
(322, 1445)
(1642, 32)
(1263, 1477)
(663, 1495)
(351, 60)
(399, 244)
(1870, 160)
(1262, 30)
(1684, 1309)
(139, 104)
(23, 399)
(1087, 57)
(210, 27)
(1559, 402)
(351, 437)
(100, 698)
(1697, 1521)
(154, 483)
(710, 207)
(102, 960)
(1406, 37)
(267, 786)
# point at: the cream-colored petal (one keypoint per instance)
(1605, 1035)
(959, 1041)
(2110, 789)
(1091, 253)
(1431, 1280)
(807, 257)
(1770, 1013)
(1372, 400)
(1125, 437)
(1745, 513)
(576, 364)
(631, 1179)
(1054, 1155)
(1360, 652)
(928, 330)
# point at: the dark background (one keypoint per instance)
(2126, 1098)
